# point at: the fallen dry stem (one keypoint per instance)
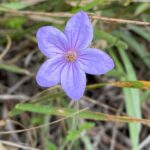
(65, 14)
(12, 144)
(5, 51)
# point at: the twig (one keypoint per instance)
(102, 104)
(144, 143)
(115, 130)
(13, 97)
(18, 84)
(117, 20)
(45, 14)
(65, 14)
(7, 47)
(12, 144)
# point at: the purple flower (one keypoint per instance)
(70, 56)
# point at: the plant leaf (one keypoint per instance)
(14, 69)
(68, 112)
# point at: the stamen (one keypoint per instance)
(71, 56)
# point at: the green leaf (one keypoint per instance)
(73, 134)
(50, 146)
(15, 112)
(50, 110)
(87, 142)
(100, 34)
(132, 97)
(37, 120)
(68, 112)
(51, 94)
(13, 5)
(143, 32)
(89, 6)
(142, 8)
(14, 69)
(137, 47)
(15, 22)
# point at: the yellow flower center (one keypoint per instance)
(71, 56)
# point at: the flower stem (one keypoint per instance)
(76, 117)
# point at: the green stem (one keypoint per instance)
(76, 117)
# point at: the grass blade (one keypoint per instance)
(65, 112)
(14, 69)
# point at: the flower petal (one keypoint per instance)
(49, 73)
(79, 31)
(94, 61)
(73, 81)
(51, 41)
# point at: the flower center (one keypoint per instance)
(71, 56)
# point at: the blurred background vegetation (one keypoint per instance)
(126, 42)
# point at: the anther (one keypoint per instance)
(70, 56)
